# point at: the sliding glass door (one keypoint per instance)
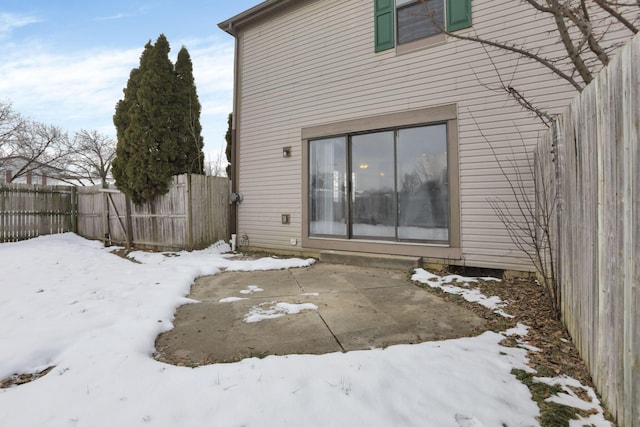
(389, 185)
(328, 187)
(373, 201)
(422, 183)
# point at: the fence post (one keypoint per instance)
(188, 213)
(3, 215)
(74, 210)
(127, 218)
(3, 195)
(106, 230)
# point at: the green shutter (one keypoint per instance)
(458, 14)
(384, 24)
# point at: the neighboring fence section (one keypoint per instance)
(192, 215)
(595, 169)
(28, 211)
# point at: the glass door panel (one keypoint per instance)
(373, 201)
(327, 187)
(423, 187)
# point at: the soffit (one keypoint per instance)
(263, 10)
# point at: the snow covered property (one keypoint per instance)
(71, 304)
(377, 131)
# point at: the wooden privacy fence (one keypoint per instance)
(192, 215)
(592, 159)
(28, 211)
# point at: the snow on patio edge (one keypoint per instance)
(568, 385)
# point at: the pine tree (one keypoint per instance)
(187, 114)
(227, 149)
(122, 167)
(158, 124)
(147, 150)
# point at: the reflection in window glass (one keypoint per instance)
(389, 185)
(373, 204)
(327, 186)
(418, 20)
(423, 187)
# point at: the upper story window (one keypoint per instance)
(404, 21)
(417, 20)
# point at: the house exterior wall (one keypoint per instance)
(315, 66)
(36, 175)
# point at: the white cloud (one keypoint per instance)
(121, 15)
(79, 90)
(114, 17)
(65, 85)
(11, 21)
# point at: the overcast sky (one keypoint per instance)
(66, 62)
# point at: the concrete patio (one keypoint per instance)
(357, 308)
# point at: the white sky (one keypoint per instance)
(65, 63)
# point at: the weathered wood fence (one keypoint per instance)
(192, 215)
(28, 211)
(592, 159)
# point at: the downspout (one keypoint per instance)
(234, 133)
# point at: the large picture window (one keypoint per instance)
(384, 185)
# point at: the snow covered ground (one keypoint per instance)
(70, 303)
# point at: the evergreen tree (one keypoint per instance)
(147, 150)
(187, 115)
(122, 167)
(227, 149)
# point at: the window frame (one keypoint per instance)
(457, 16)
(348, 208)
(414, 118)
(411, 3)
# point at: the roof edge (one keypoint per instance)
(256, 12)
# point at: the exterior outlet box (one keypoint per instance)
(293, 242)
(286, 218)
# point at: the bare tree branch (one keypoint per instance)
(544, 117)
(522, 52)
(216, 166)
(582, 22)
(527, 217)
(607, 6)
(622, 4)
(509, 47)
(39, 146)
(92, 154)
(30, 146)
(508, 88)
(572, 51)
(11, 124)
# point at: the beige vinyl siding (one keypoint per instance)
(315, 65)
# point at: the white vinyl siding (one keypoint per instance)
(315, 65)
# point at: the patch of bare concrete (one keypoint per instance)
(357, 308)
